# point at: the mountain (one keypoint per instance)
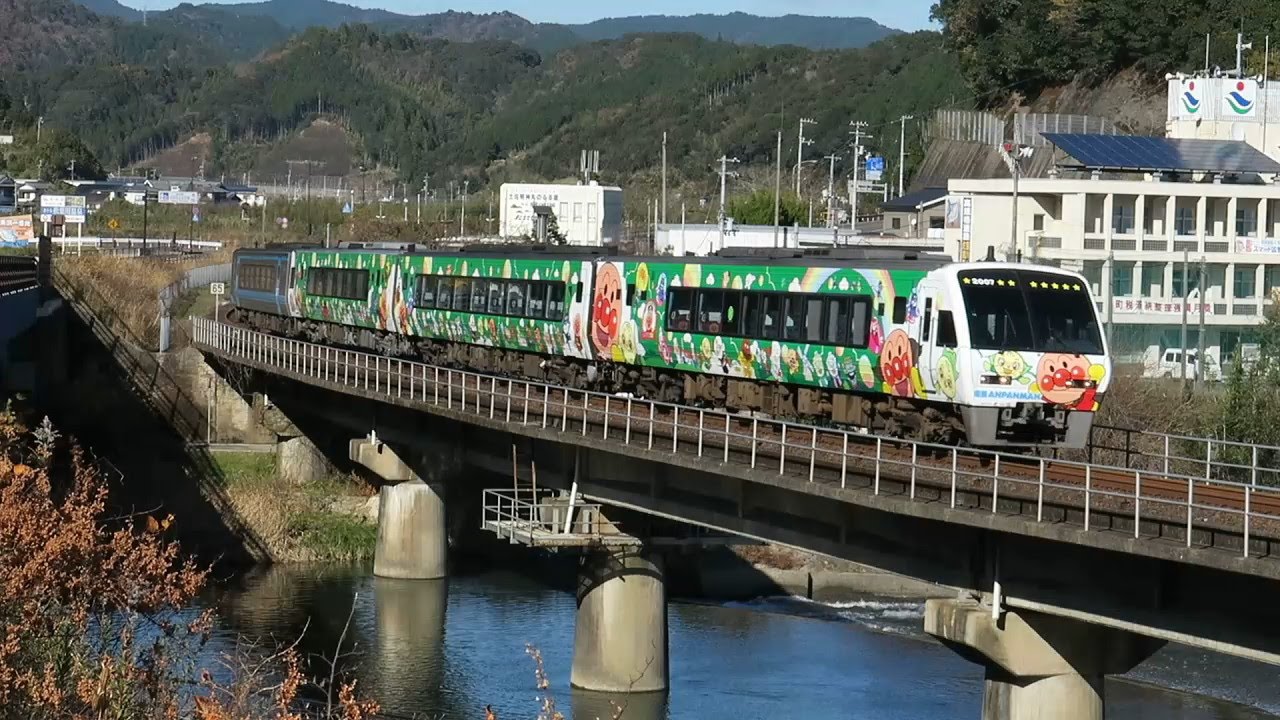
(546, 38)
(817, 33)
(302, 14)
(223, 30)
(111, 8)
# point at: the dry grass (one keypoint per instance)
(123, 291)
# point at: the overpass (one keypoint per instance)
(1063, 569)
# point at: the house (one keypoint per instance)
(920, 214)
(8, 194)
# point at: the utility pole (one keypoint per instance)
(831, 190)
(1241, 46)
(858, 137)
(664, 177)
(1200, 361)
(724, 174)
(902, 150)
(777, 191)
(39, 128)
(1185, 294)
(466, 186)
(800, 150)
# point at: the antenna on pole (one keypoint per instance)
(589, 165)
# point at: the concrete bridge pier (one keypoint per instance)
(620, 639)
(412, 534)
(1038, 667)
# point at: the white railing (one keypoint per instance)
(1154, 502)
(544, 517)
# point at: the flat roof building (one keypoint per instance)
(584, 214)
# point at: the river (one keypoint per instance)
(445, 649)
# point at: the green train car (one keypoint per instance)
(898, 342)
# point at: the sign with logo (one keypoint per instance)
(346, 208)
(875, 167)
(114, 224)
(71, 207)
(178, 197)
(1191, 98)
(17, 231)
(1239, 98)
(217, 288)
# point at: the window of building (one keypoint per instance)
(897, 223)
(1270, 279)
(591, 212)
(577, 212)
(1122, 279)
(1186, 278)
(1153, 279)
(564, 211)
(1184, 221)
(1246, 220)
(937, 223)
(1246, 281)
(1122, 218)
(1037, 221)
(1092, 271)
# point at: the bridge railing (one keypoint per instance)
(543, 517)
(1149, 504)
(17, 273)
(1170, 453)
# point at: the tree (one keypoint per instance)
(58, 150)
(757, 209)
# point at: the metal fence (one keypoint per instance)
(194, 278)
(1149, 504)
(17, 273)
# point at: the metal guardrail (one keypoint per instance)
(1171, 453)
(1149, 504)
(17, 273)
(545, 518)
(69, 244)
(194, 278)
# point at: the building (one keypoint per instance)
(919, 214)
(703, 239)
(1140, 217)
(1225, 108)
(8, 194)
(584, 214)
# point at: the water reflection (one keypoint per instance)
(409, 661)
(587, 705)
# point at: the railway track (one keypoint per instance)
(1149, 504)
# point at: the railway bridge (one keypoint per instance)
(1062, 570)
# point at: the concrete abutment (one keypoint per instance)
(1038, 667)
(412, 531)
(620, 637)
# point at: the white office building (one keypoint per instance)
(585, 214)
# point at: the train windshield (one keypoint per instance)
(1030, 310)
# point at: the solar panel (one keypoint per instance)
(1132, 152)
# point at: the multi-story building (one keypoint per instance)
(585, 214)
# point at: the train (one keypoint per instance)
(904, 343)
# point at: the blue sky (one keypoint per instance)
(902, 14)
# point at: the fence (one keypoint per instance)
(17, 273)
(192, 279)
(1163, 505)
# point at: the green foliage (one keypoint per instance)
(246, 469)
(1023, 46)
(330, 536)
(59, 151)
(757, 209)
(1250, 409)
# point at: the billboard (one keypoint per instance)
(70, 207)
(178, 197)
(875, 167)
(17, 231)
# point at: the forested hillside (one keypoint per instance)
(1023, 47)
(462, 109)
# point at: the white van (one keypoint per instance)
(1170, 366)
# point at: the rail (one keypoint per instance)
(1149, 505)
(17, 273)
(1206, 457)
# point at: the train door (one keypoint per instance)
(923, 329)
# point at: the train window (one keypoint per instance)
(338, 283)
(537, 307)
(774, 306)
(837, 329)
(497, 298)
(426, 291)
(752, 311)
(732, 318)
(928, 319)
(461, 294)
(555, 301)
(515, 298)
(813, 319)
(257, 277)
(578, 296)
(946, 330)
(478, 296)
(631, 294)
(681, 314)
(860, 322)
(793, 327)
(899, 310)
(444, 293)
(710, 311)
